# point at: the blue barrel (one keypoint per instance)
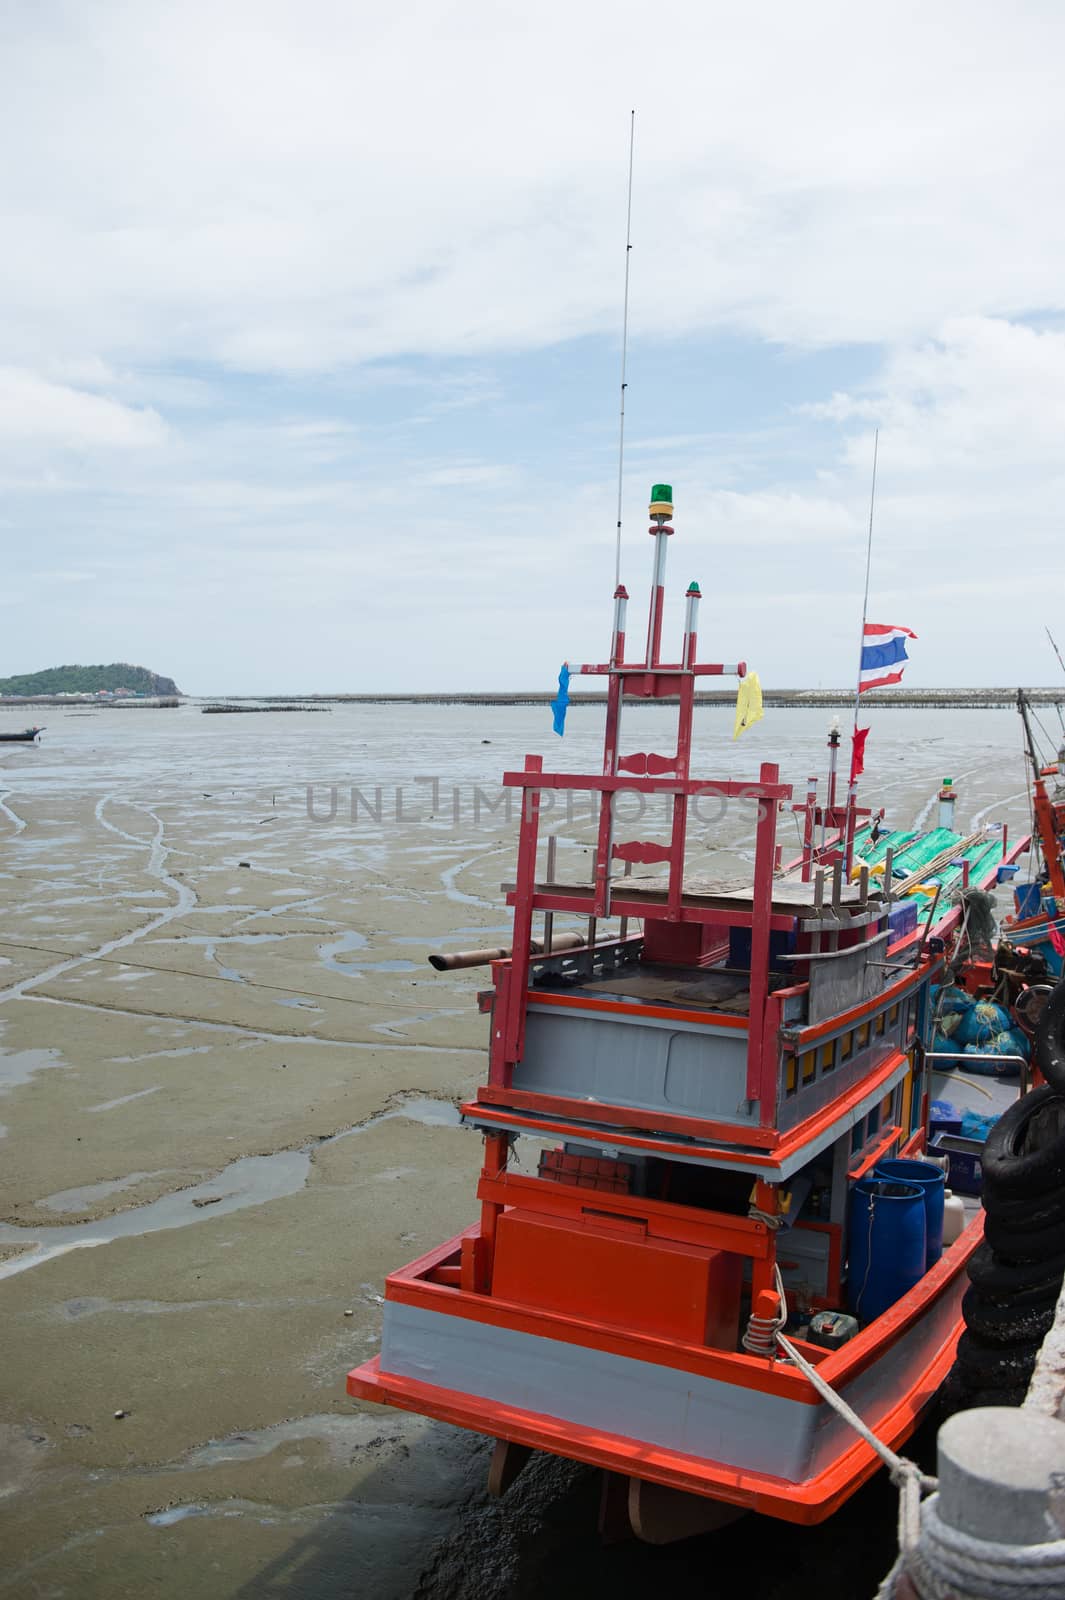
(932, 1182)
(887, 1242)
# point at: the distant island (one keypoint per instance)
(120, 678)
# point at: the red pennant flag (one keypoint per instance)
(858, 739)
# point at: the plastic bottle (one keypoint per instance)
(953, 1217)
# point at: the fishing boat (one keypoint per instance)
(1039, 924)
(703, 1089)
(925, 872)
(27, 736)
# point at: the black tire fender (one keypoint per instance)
(1006, 1325)
(967, 1399)
(994, 1366)
(1024, 1156)
(1025, 1241)
(1034, 1211)
(1015, 1283)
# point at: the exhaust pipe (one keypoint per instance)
(481, 958)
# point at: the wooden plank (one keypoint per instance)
(788, 895)
(683, 986)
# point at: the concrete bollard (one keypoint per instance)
(1002, 1475)
(998, 1520)
(997, 1525)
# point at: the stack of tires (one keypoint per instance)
(1016, 1274)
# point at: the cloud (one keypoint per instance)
(288, 187)
(34, 410)
(312, 316)
(985, 393)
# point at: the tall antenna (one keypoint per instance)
(868, 564)
(624, 347)
(856, 750)
(1057, 652)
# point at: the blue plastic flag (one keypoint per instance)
(558, 706)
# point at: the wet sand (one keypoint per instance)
(228, 1094)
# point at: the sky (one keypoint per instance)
(310, 335)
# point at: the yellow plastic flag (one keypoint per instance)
(748, 703)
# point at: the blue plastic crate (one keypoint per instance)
(902, 920)
(1026, 897)
(965, 1176)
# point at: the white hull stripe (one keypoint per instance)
(662, 1406)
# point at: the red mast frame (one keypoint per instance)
(646, 774)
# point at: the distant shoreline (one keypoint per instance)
(777, 699)
(76, 702)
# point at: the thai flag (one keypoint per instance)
(883, 652)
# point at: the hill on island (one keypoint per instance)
(89, 680)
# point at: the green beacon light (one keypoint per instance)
(661, 500)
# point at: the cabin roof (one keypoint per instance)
(790, 895)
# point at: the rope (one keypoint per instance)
(1038, 721)
(899, 1466)
(937, 1014)
(1032, 867)
(868, 1254)
(959, 1077)
(906, 1475)
(772, 1219)
(947, 1563)
(944, 1563)
(762, 1332)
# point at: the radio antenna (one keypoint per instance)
(624, 347)
(1055, 649)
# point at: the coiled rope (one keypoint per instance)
(763, 1332)
(947, 1563)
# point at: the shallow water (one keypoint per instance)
(249, 1181)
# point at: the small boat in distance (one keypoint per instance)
(27, 736)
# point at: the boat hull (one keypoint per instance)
(748, 1433)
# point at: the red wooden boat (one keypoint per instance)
(705, 1095)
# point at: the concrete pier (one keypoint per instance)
(1046, 1392)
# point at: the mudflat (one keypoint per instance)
(217, 1083)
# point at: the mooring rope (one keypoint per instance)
(943, 1562)
(906, 1475)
